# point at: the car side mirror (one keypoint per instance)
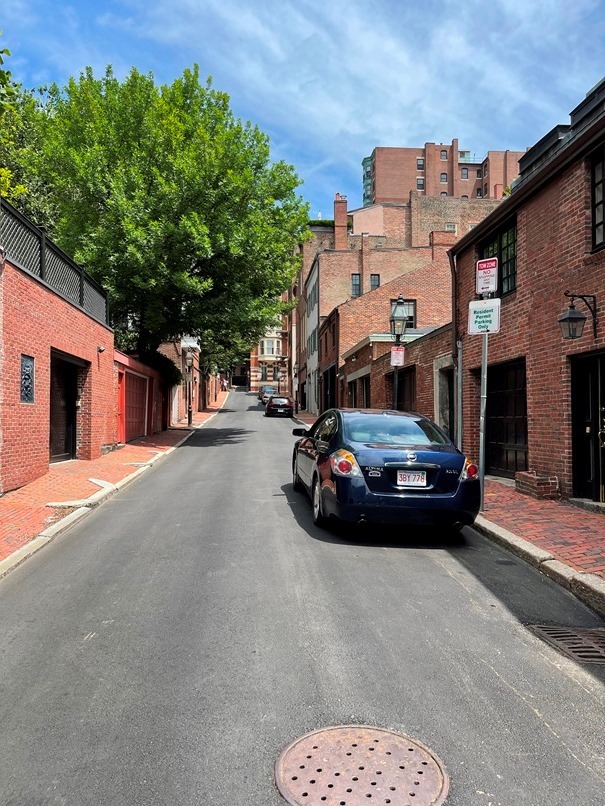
(299, 432)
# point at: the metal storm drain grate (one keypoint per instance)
(584, 645)
(353, 764)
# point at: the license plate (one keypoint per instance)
(280, 411)
(416, 478)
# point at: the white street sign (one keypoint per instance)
(484, 316)
(487, 275)
(397, 356)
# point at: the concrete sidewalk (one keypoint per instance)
(563, 541)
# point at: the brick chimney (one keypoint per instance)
(341, 240)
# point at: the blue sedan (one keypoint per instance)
(375, 466)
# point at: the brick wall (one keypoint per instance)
(553, 255)
(34, 321)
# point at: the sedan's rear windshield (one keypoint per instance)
(269, 390)
(385, 430)
(280, 401)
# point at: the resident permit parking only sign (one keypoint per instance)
(484, 316)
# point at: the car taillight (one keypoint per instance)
(344, 463)
(470, 471)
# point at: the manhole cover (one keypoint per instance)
(353, 764)
(584, 645)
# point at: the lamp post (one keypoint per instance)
(398, 322)
(295, 387)
(189, 365)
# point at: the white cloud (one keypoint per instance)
(331, 80)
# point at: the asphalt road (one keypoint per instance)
(167, 648)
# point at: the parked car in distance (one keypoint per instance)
(279, 406)
(375, 466)
(261, 391)
(268, 392)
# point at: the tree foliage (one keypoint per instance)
(169, 201)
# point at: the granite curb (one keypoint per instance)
(84, 506)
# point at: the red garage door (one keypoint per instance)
(136, 406)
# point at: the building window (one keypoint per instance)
(450, 228)
(443, 178)
(479, 193)
(410, 311)
(27, 379)
(598, 200)
(444, 155)
(479, 173)
(420, 183)
(464, 197)
(263, 372)
(464, 173)
(485, 191)
(443, 194)
(355, 285)
(267, 347)
(504, 246)
(420, 165)
(374, 281)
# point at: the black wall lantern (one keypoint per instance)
(572, 322)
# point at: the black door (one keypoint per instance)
(63, 396)
(506, 419)
(588, 427)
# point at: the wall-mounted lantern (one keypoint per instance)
(572, 321)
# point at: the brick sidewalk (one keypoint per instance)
(24, 512)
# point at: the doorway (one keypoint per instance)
(63, 409)
(588, 427)
(506, 419)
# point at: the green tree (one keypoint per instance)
(170, 202)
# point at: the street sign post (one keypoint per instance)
(487, 275)
(483, 317)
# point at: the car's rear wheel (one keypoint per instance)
(296, 482)
(319, 519)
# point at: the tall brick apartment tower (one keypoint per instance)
(438, 170)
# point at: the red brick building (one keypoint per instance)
(439, 170)
(57, 369)
(545, 394)
(424, 384)
(423, 280)
(65, 393)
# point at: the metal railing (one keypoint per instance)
(28, 248)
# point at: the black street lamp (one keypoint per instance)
(398, 322)
(572, 321)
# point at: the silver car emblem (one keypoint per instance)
(412, 457)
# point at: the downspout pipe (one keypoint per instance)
(456, 348)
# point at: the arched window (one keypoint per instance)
(444, 155)
(443, 178)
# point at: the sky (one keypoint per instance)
(330, 80)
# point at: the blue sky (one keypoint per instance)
(328, 80)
